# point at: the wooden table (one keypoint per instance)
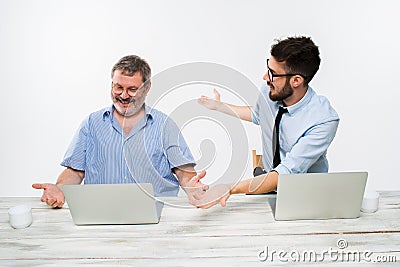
(243, 233)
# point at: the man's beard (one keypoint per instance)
(286, 91)
(134, 106)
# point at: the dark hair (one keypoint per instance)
(300, 55)
(129, 65)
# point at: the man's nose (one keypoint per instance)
(125, 94)
(266, 77)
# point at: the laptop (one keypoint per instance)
(112, 203)
(319, 196)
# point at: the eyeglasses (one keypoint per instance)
(272, 75)
(131, 91)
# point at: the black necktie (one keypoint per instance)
(277, 156)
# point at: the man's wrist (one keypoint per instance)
(234, 189)
(59, 185)
(219, 106)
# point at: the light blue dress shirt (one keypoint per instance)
(147, 155)
(306, 131)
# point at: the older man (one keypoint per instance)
(128, 142)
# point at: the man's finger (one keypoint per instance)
(205, 206)
(198, 177)
(58, 204)
(39, 186)
(51, 202)
(201, 175)
(198, 195)
(205, 203)
(223, 200)
(217, 96)
(205, 187)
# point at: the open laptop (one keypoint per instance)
(112, 203)
(319, 195)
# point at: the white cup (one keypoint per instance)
(20, 216)
(370, 202)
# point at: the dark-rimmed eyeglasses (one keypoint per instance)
(271, 74)
(131, 91)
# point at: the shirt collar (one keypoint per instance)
(149, 111)
(302, 103)
(109, 113)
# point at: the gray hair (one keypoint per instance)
(129, 65)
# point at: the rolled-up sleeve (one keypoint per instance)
(75, 157)
(175, 147)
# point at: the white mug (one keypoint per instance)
(20, 216)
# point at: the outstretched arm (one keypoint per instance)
(258, 185)
(52, 193)
(241, 112)
(221, 192)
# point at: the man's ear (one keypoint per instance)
(148, 88)
(297, 81)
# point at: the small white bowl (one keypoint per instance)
(20, 216)
(370, 202)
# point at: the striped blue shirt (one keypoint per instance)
(306, 131)
(147, 155)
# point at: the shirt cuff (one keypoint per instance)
(68, 164)
(281, 169)
(254, 119)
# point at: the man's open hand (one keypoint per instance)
(52, 194)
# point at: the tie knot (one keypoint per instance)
(282, 110)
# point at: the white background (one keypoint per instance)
(56, 57)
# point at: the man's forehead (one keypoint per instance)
(120, 78)
(275, 65)
(127, 74)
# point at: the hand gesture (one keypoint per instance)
(211, 103)
(216, 194)
(52, 194)
(194, 188)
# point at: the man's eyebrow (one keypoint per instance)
(131, 87)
